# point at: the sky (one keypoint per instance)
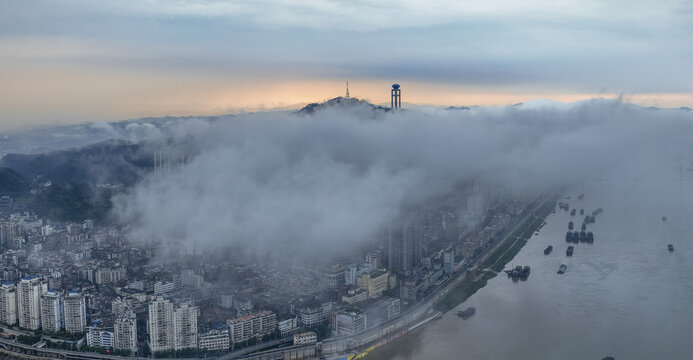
(78, 61)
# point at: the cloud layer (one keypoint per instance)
(293, 184)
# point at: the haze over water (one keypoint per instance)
(624, 296)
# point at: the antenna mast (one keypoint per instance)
(347, 90)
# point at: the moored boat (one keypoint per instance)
(548, 250)
(466, 314)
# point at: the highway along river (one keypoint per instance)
(626, 295)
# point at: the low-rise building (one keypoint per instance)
(99, 337)
(305, 338)
(214, 340)
(354, 296)
(311, 316)
(256, 325)
(226, 301)
(163, 288)
(288, 326)
(334, 277)
(375, 283)
(382, 311)
(349, 322)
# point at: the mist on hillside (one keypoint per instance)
(292, 184)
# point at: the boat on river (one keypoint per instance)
(466, 314)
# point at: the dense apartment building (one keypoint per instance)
(160, 324)
(125, 333)
(256, 325)
(29, 292)
(52, 312)
(185, 327)
(75, 310)
(8, 303)
(172, 328)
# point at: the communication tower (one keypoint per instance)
(395, 97)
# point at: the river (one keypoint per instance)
(624, 296)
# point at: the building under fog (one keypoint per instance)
(405, 247)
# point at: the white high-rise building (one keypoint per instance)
(8, 303)
(172, 328)
(52, 316)
(185, 327)
(29, 293)
(75, 310)
(125, 333)
(160, 325)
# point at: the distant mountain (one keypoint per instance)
(72, 202)
(109, 162)
(67, 184)
(344, 103)
(13, 183)
(458, 108)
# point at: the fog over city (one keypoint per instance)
(325, 183)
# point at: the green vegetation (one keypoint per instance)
(496, 261)
(63, 334)
(103, 350)
(61, 345)
(184, 353)
(12, 183)
(322, 331)
(72, 202)
(28, 339)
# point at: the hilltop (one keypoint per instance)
(342, 102)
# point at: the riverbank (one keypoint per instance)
(497, 259)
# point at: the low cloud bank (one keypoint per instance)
(285, 183)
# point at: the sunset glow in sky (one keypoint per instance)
(77, 60)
